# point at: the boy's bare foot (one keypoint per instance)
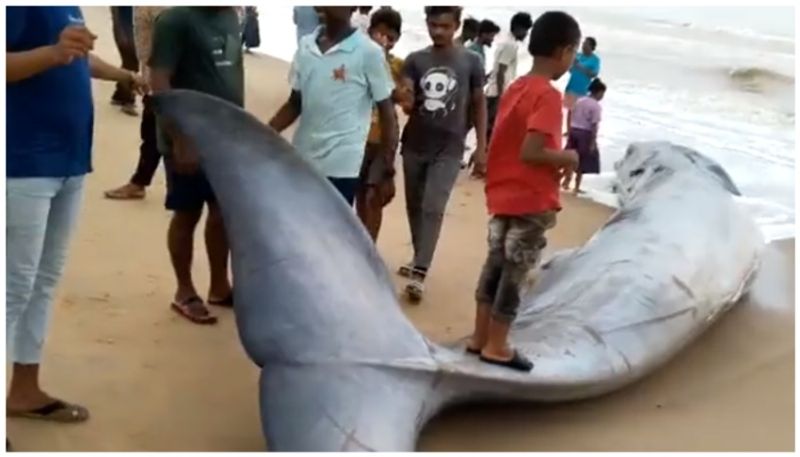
(129, 191)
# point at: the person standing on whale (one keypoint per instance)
(337, 76)
(525, 163)
(197, 48)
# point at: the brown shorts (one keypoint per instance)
(373, 168)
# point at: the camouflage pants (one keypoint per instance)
(515, 247)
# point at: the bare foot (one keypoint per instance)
(129, 191)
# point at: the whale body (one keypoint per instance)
(344, 370)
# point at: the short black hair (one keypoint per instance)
(597, 86)
(592, 42)
(521, 20)
(553, 30)
(387, 16)
(470, 25)
(439, 10)
(488, 26)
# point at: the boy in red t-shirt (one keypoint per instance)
(525, 165)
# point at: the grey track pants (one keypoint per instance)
(428, 183)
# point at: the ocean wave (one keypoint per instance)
(759, 80)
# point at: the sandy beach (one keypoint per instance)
(154, 382)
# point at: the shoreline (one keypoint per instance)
(154, 382)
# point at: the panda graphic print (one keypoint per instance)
(439, 86)
(443, 82)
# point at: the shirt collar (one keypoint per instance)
(349, 44)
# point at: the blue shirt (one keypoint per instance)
(338, 90)
(49, 116)
(306, 20)
(578, 81)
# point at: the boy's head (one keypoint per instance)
(597, 89)
(443, 21)
(469, 29)
(487, 31)
(388, 23)
(333, 16)
(589, 46)
(554, 42)
(521, 24)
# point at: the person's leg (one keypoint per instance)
(488, 282)
(440, 179)
(218, 250)
(578, 179)
(44, 228)
(122, 95)
(524, 243)
(149, 158)
(491, 115)
(186, 203)
(415, 172)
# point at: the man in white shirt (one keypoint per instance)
(505, 65)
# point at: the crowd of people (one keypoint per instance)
(346, 90)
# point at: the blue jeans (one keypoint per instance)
(40, 216)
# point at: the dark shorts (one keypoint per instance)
(186, 192)
(589, 158)
(373, 168)
(515, 248)
(347, 187)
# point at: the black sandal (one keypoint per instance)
(227, 302)
(517, 362)
(472, 351)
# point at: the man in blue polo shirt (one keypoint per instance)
(337, 77)
(49, 126)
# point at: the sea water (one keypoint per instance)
(716, 79)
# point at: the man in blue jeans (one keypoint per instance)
(49, 142)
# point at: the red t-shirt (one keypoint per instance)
(530, 104)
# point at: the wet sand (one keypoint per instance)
(155, 382)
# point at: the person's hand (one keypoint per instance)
(479, 162)
(137, 83)
(75, 41)
(387, 191)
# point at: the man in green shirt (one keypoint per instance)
(197, 48)
(487, 30)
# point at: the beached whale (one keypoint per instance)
(342, 367)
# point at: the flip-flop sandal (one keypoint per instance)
(57, 411)
(119, 194)
(517, 362)
(472, 351)
(183, 309)
(227, 302)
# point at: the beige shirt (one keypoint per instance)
(144, 18)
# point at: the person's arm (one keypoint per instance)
(103, 70)
(506, 54)
(478, 114)
(293, 107)
(381, 85)
(288, 112)
(73, 42)
(408, 79)
(545, 117)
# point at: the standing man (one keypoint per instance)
(583, 71)
(446, 82)
(487, 30)
(197, 48)
(337, 75)
(122, 23)
(144, 18)
(505, 65)
(306, 20)
(49, 152)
